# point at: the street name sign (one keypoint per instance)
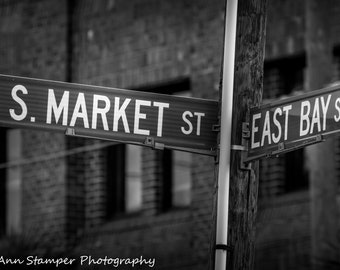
(127, 116)
(295, 122)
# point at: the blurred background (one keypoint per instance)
(75, 196)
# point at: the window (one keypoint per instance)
(124, 179)
(10, 182)
(175, 166)
(181, 186)
(283, 76)
(133, 178)
(124, 170)
(296, 175)
(286, 173)
(176, 179)
(14, 182)
(115, 163)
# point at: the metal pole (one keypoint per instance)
(225, 135)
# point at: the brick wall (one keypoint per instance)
(283, 228)
(120, 45)
(43, 56)
(285, 28)
(283, 232)
(133, 44)
(29, 49)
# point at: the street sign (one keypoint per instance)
(108, 113)
(294, 122)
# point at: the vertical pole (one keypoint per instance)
(225, 135)
(242, 81)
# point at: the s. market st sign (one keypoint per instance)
(159, 121)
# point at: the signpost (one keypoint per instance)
(295, 122)
(155, 120)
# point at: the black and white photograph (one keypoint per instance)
(170, 134)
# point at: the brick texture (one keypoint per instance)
(28, 49)
(162, 41)
(134, 44)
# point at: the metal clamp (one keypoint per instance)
(284, 148)
(245, 130)
(246, 166)
(150, 141)
(216, 128)
(224, 247)
(239, 147)
(70, 131)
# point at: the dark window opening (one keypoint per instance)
(169, 88)
(115, 162)
(283, 76)
(286, 173)
(166, 184)
(296, 175)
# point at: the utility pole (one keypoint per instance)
(236, 227)
(321, 158)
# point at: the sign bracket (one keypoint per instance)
(150, 141)
(70, 132)
(244, 165)
(216, 128)
(282, 147)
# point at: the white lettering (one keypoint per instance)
(102, 111)
(186, 120)
(139, 115)
(266, 129)
(57, 110)
(199, 116)
(316, 117)
(119, 112)
(254, 129)
(83, 259)
(324, 108)
(161, 107)
(286, 109)
(337, 106)
(19, 117)
(305, 110)
(80, 111)
(277, 138)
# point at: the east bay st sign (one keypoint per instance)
(295, 122)
(109, 113)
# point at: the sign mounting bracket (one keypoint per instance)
(282, 147)
(244, 165)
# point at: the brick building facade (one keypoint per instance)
(100, 198)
